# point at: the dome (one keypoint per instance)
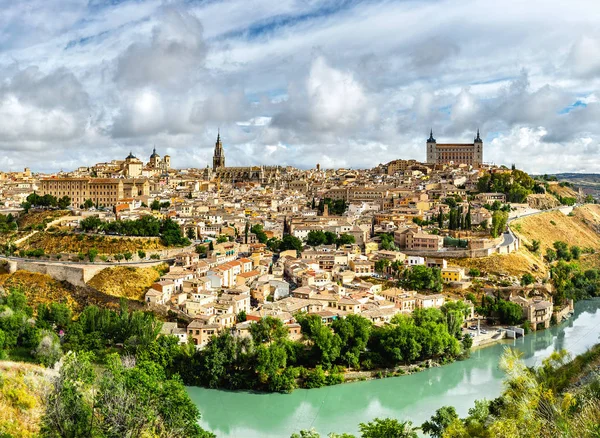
(154, 154)
(131, 156)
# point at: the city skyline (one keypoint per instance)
(341, 83)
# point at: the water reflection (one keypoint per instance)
(340, 408)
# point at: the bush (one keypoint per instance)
(155, 256)
(527, 279)
(141, 254)
(474, 272)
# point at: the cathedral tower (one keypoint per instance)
(219, 155)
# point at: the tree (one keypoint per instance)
(354, 332)
(509, 312)
(241, 316)
(191, 233)
(68, 413)
(64, 202)
(291, 242)
(155, 205)
(468, 225)
(315, 238)
(422, 278)
(345, 239)
(527, 279)
(474, 272)
(438, 423)
(499, 220)
(201, 250)
(387, 428)
(575, 252)
(381, 265)
(260, 233)
(141, 254)
(88, 203)
(222, 238)
(92, 254)
(48, 350)
(128, 256)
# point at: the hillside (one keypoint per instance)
(564, 191)
(581, 228)
(21, 399)
(44, 217)
(512, 265)
(55, 243)
(128, 282)
(41, 288)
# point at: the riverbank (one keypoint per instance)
(340, 408)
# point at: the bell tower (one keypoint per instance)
(219, 155)
(431, 149)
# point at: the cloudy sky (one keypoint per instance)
(344, 83)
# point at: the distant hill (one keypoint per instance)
(589, 182)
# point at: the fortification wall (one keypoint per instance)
(77, 275)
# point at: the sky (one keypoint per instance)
(343, 83)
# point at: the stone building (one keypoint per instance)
(457, 153)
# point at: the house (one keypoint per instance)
(171, 329)
(430, 301)
(415, 239)
(160, 292)
(200, 331)
(362, 268)
(453, 274)
(536, 310)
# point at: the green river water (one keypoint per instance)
(413, 397)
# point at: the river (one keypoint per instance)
(413, 397)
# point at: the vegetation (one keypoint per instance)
(147, 226)
(516, 185)
(499, 221)
(422, 278)
(318, 237)
(336, 208)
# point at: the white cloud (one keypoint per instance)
(340, 83)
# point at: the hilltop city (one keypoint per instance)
(274, 241)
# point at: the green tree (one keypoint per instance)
(92, 254)
(316, 238)
(422, 278)
(354, 332)
(345, 239)
(155, 205)
(438, 423)
(64, 202)
(527, 279)
(381, 265)
(387, 428)
(191, 234)
(68, 412)
(291, 242)
(499, 220)
(260, 233)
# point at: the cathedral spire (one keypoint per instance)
(478, 138)
(219, 155)
(431, 139)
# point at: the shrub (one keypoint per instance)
(474, 272)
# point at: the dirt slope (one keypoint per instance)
(124, 281)
(581, 228)
(41, 288)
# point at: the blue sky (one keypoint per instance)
(298, 82)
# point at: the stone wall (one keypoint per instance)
(75, 274)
